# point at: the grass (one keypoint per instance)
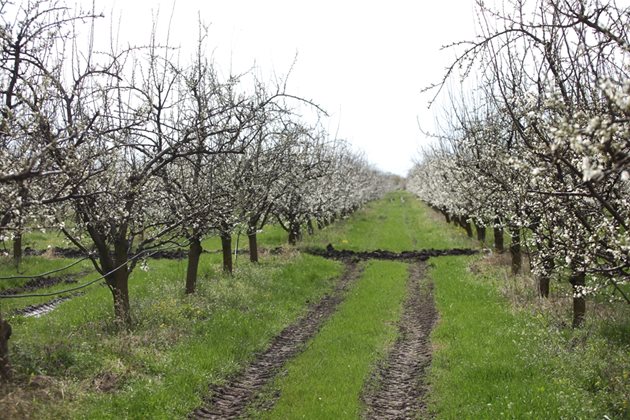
(326, 380)
(272, 236)
(499, 350)
(39, 239)
(474, 374)
(36, 265)
(179, 344)
(496, 360)
(399, 222)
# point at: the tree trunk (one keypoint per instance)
(545, 279)
(5, 334)
(119, 283)
(194, 252)
(120, 292)
(498, 239)
(515, 250)
(226, 245)
(466, 225)
(309, 227)
(543, 286)
(253, 244)
(292, 237)
(578, 281)
(468, 228)
(320, 224)
(295, 233)
(17, 248)
(481, 233)
(447, 216)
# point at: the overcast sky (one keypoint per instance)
(364, 62)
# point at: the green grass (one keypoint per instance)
(399, 222)
(498, 352)
(41, 238)
(272, 236)
(494, 361)
(326, 380)
(179, 344)
(475, 373)
(80, 273)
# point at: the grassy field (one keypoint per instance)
(179, 344)
(326, 380)
(499, 350)
(272, 236)
(397, 223)
(521, 361)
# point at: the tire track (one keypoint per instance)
(229, 401)
(398, 386)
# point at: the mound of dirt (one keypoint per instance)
(38, 283)
(55, 252)
(379, 254)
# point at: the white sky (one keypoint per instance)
(364, 62)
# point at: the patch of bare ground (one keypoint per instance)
(41, 282)
(230, 401)
(397, 388)
(379, 254)
(20, 399)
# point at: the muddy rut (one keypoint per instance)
(229, 401)
(397, 388)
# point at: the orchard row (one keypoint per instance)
(132, 148)
(541, 146)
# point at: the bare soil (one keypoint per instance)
(172, 254)
(230, 400)
(379, 254)
(39, 283)
(56, 252)
(397, 388)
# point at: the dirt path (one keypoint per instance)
(229, 401)
(397, 388)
